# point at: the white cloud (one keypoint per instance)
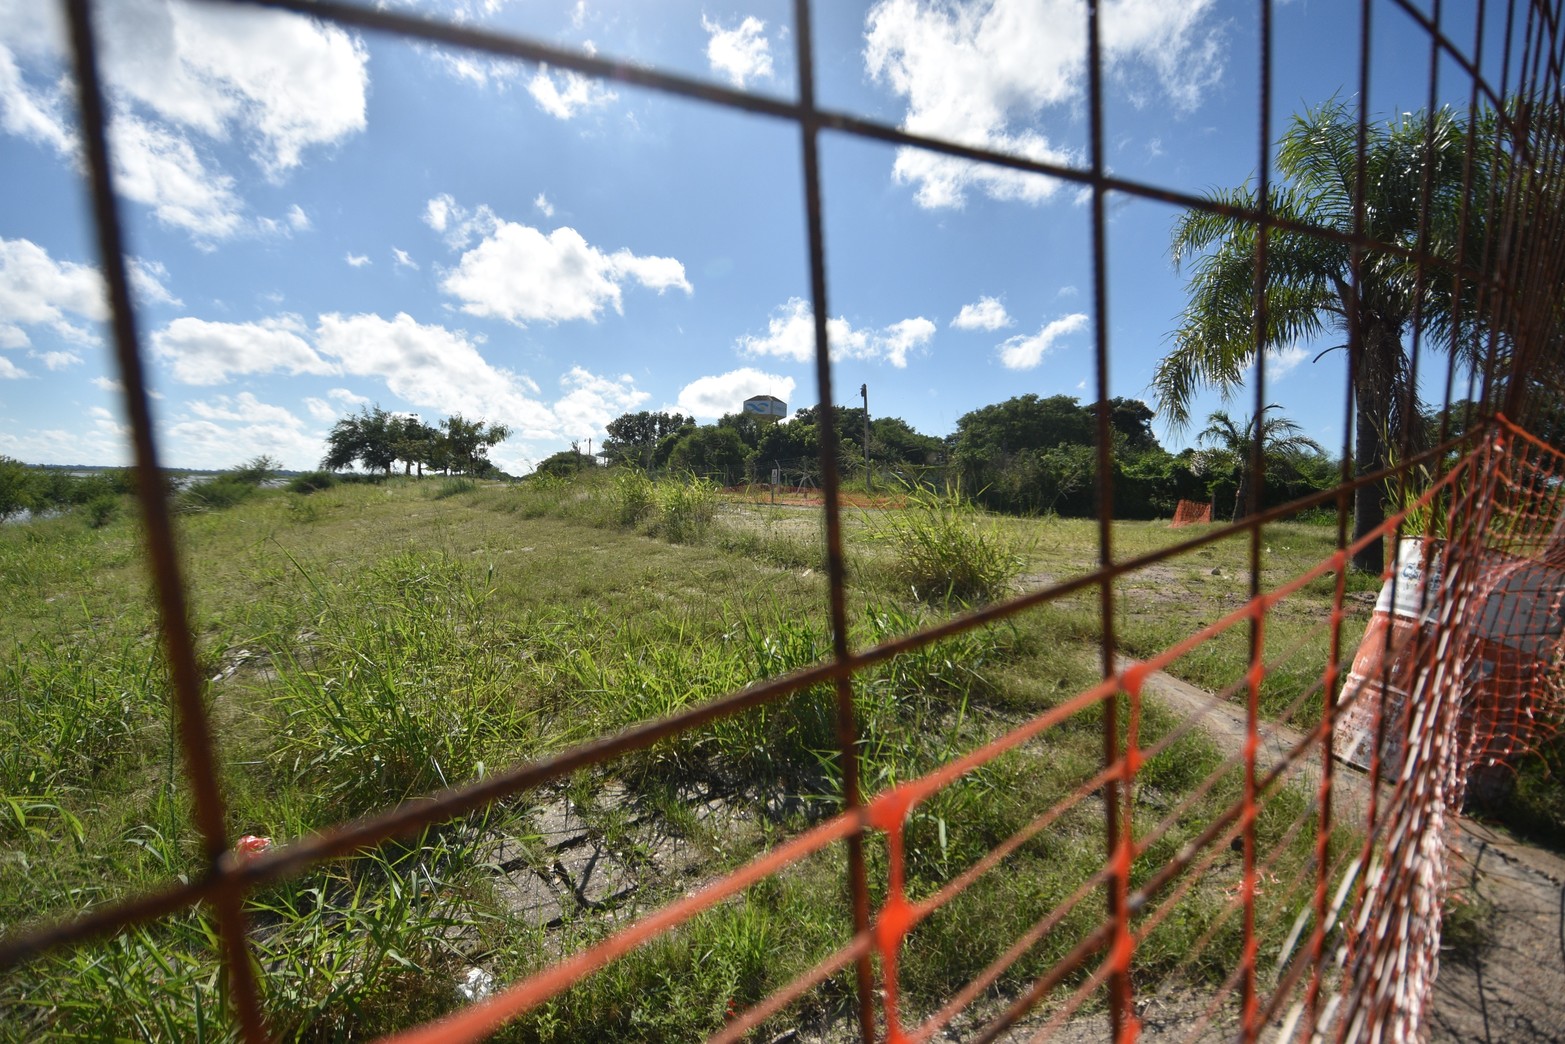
(985, 73)
(157, 166)
(287, 81)
(579, 14)
(149, 281)
(320, 409)
(740, 53)
(57, 360)
(348, 398)
(244, 407)
(543, 204)
(223, 431)
(987, 313)
(1023, 352)
(433, 367)
(108, 384)
(35, 115)
(203, 352)
(726, 393)
(1282, 361)
(298, 220)
(402, 259)
(519, 274)
(177, 73)
(36, 290)
(790, 334)
(9, 371)
(590, 402)
(578, 93)
(902, 337)
(357, 260)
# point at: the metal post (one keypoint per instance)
(869, 479)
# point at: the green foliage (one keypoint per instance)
(17, 491)
(945, 550)
(632, 496)
(312, 482)
(452, 487)
(685, 509)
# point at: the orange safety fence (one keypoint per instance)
(1461, 669)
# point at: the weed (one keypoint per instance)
(944, 549)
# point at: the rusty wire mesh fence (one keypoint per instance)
(1334, 872)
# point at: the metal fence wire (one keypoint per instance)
(1448, 686)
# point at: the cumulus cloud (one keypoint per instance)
(1023, 351)
(790, 334)
(431, 366)
(725, 393)
(738, 54)
(543, 205)
(202, 352)
(9, 371)
(298, 220)
(402, 259)
(348, 398)
(987, 73)
(179, 74)
(149, 280)
(1282, 361)
(57, 360)
(567, 94)
(519, 274)
(36, 290)
(357, 260)
(215, 433)
(589, 402)
(987, 313)
(320, 409)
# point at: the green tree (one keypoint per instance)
(634, 437)
(365, 437)
(18, 491)
(1309, 290)
(710, 450)
(464, 444)
(1282, 441)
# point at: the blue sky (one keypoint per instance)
(319, 219)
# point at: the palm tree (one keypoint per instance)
(1281, 440)
(1310, 288)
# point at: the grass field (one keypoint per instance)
(369, 643)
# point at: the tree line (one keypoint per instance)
(379, 440)
(1027, 455)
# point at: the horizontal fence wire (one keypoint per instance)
(1465, 679)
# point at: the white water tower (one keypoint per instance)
(767, 409)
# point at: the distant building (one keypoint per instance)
(765, 408)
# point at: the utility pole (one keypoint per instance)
(869, 478)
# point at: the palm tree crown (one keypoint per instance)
(1416, 180)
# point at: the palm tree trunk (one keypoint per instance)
(1368, 510)
(1377, 383)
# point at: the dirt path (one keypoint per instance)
(1510, 990)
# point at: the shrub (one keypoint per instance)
(946, 550)
(686, 508)
(453, 486)
(102, 509)
(312, 482)
(632, 497)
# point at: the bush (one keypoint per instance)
(453, 486)
(312, 482)
(632, 497)
(102, 509)
(686, 508)
(945, 550)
